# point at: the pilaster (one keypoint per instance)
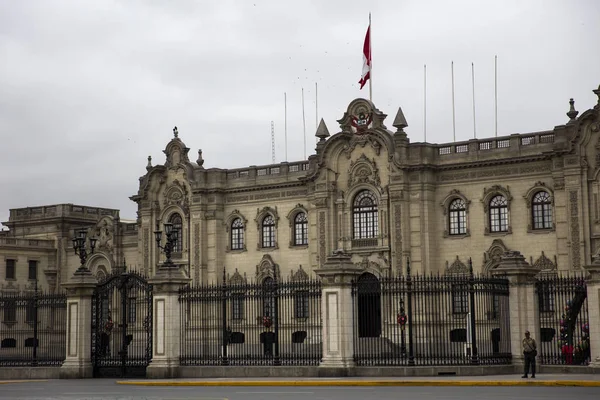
(166, 347)
(593, 301)
(78, 362)
(523, 304)
(338, 322)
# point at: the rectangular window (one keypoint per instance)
(237, 306)
(10, 310)
(10, 269)
(33, 267)
(460, 299)
(545, 298)
(301, 304)
(132, 310)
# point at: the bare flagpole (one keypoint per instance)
(453, 109)
(425, 102)
(316, 107)
(371, 61)
(496, 93)
(473, 84)
(285, 123)
(304, 124)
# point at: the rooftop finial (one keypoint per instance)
(175, 132)
(572, 114)
(400, 122)
(200, 160)
(597, 93)
(322, 131)
(149, 166)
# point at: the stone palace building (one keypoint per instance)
(366, 190)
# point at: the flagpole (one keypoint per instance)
(473, 84)
(316, 107)
(371, 61)
(453, 109)
(304, 124)
(496, 93)
(425, 101)
(285, 122)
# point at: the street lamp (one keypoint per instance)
(79, 245)
(172, 237)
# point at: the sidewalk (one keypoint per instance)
(585, 380)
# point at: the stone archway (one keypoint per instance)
(369, 305)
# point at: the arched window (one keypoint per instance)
(364, 213)
(237, 234)
(300, 229)
(498, 214)
(541, 210)
(268, 232)
(458, 217)
(176, 220)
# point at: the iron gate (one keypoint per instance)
(122, 326)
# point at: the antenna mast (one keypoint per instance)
(273, 141)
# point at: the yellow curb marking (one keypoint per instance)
(23, 381)
(362, 383)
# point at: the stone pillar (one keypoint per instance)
(593, 301)
(78, 362)
(338, 321)
(166, 324)
(523, 303)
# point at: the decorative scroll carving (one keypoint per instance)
(322, 238)
(575, 245)
(492, 257)
(363, 170)
(265, 268)
(362, 140)
(197, 252)
(369, 265)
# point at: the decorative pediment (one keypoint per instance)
(237, 278)
(360, 117)
(539, 186)
(492, 191)
(232, 217)
(493, 255)
(265, 268)
(544, 264)
(369, 265)
(299, 275)
(294, 211)
(457, 267)
(363, 170)
(176, 194)
(454, 194)
(176, 151)
(262, 213)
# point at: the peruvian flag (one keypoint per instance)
(366, 69)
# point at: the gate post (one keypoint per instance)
(166, 326)
(78, 361)
(523, 303)
(593, 301)
(337, 275)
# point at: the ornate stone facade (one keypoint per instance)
(366, 190)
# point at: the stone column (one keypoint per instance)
(78, 362)
(166, 325)
(338, 321)
(593, 301)
(523, 303)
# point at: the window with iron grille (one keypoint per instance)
(237, 306)
(10, 268)
(33, 267)
(176, 220)
(10, 310)
(237, 234)
(30, 311)
(268, 232)
(545, 298)
(498, 214)
(457, 217)
(541, 210)
(301, 304)
(132, 310)
(460, 299)
(300, 229)
(268, 297)
(365, 217)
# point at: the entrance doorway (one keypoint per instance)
(369, 306)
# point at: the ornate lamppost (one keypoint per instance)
(79, 245)
(172, 237)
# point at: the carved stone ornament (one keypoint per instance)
(488, 193)
(294, 211)
(299, 275)
(265, 268)
(544, 264)
(177, 194)
(361, 116)
(457, 267)
(362, 141)
(237, 278)
(369, 265)
(262, 213)
(104, 232)
(493, 255)
(363, 170)
(232, 217)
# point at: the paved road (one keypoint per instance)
(108, 390)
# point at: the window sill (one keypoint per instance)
(461, 236)
(499, 234)
(236, 251)
(544, 231)
(298, 246)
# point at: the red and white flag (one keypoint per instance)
(366, 69)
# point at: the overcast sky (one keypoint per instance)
(89, 89)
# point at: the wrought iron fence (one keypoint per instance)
(456, 319)
(564, 320)
(239, 323)
(32, 329)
